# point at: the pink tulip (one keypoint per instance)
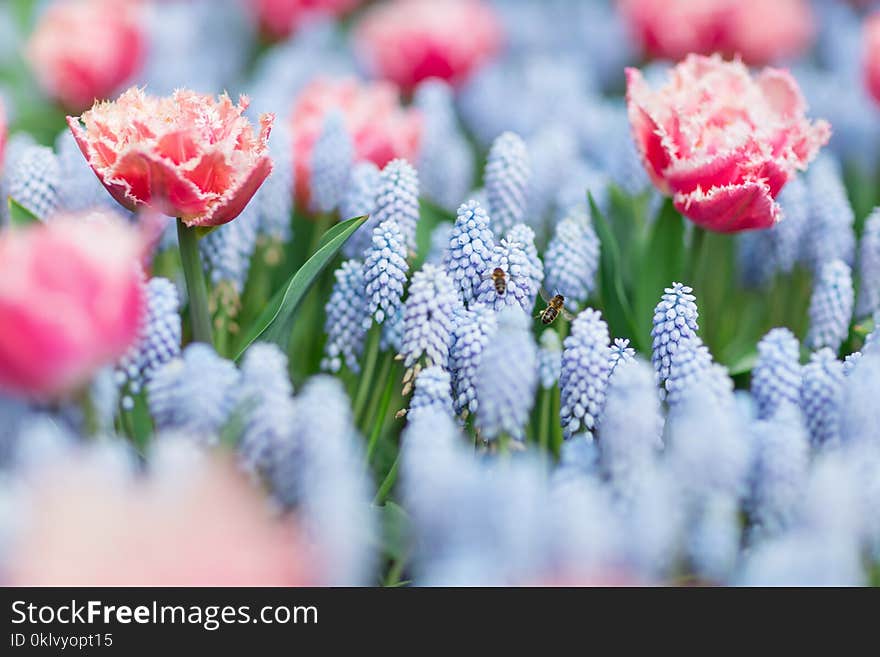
(91, 525)
(381, 129)
(187, 155)
(70, 302)
(83, 50)
(758, 31)
(2, 134)
(721, 142)
(407, 41)
(872, 55)
(279, 19)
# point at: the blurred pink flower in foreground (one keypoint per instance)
(70, 302)
(380, 127)
(84, 50)
(407, 41)
(280, 18)
(201, 524)
(760, 32)
(721, 142)
(872, 55)
(187, 155)
(3, 129)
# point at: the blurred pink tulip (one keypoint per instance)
(279, 19)
(407, 41)
(3, 129)
(85, 50)
(721, 142)
(71, 298)
(381, 128)
(872, 55)
(187, 155)
(89, 525)
(758, 31)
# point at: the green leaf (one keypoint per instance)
(395, 531)
(20, 216)
(660, 263)
(276, 322)
(615, 303)
(202, 231)
(744, 364)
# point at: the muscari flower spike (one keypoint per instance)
(620, 353)
(34, 181)
(524, 235)
(274, 199)
(572, 259)
(549, 358)
(392, 333)
(585, 371)
(675, 321)
(331, 164)
(830, 234)
(226, 251)
(869, 267)
(359, 200)
(195, 393)
(507, 378)
(831, 306)
(507, 180)
(788, 234)
(433, 392)
(159, 336)
(385, 269)
(776, 377)
(397, 199)
(265, 400)
(79, 187)
(692, 369)
(523, 278)
(346, 311)
(822, 397)
(470, 247)
(553, 151)
(473, 330)
(428, 318)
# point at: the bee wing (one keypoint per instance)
(545, 295)
(567, 315)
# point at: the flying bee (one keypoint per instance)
(555, 307)
(499, 279)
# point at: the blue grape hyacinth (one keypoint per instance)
(332, 159)
(33, 181)
(429, 318)
(227, 250)
(776, 377)
(79, 187)
(522, 277)
(507, 182)
(274, 199)
(397, 199)
(507, 378)
(822, 397)
(359, 200)
(572, 259)
(831, 306)
(830, 236)
(473, 330)
(195, 393)
(549, 358)
(525, 236)
(585, 371)
(675, 321)
(346, 312)
(869, 267)
(470, 250)
(693, 371)
(433, 392)
(620, 353)
(385, 269)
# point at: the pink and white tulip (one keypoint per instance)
(381, 129)
(187, 156)
(872, 55)
(759, 32)
(71, 297)
(85, 50)
(278, 19)
(721, 142)
(407, 41)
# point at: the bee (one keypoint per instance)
(555, 307)
(499, 279)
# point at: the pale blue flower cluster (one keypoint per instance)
(869, 267)
(830, 234)
(397, 199)
(33, 180)
(429, 317)
(227, 250)
(822, 395)
(385, 270)
(549, 358)
(433, 393)
(473, 330)
(470, 250)
(523, 274)
(675, 322)
(776, 377)
(507, 181)
(572, 259)
(831, 306)
(585, 370)
(359, 200)
(332, 159)
(346, 311)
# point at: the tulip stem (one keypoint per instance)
(197, 291)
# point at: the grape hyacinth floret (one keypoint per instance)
(585, 371)
(507, 182)
(831, 306)
(675, 321)
(346, 311)
(397, 199)
(549, 358)
(822, 397)
(523, 280)
(331, 164)
(34, 181)
(507, 378)
(830, 234)
(869, 267)
(473, 330)
(693, 371)
(524, 235)
(776, 377)
(385, 269)
(470, 249)
(620, 353)
(359, 200)
(572, 259)
(274, 199)
(428, 318)
(433, 392)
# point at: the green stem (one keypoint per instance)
(557, 436)
(395, 572)
(378, 420)
(387, 483)
(544, 427)
(188, 241)
(366, 382)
